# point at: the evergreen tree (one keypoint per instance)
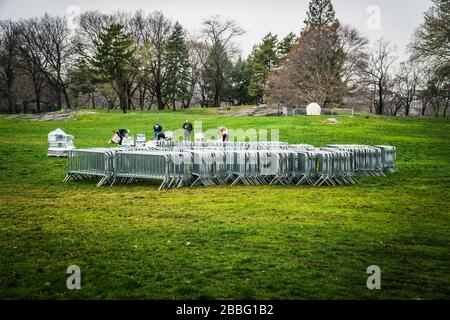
(320, 14)
(113, 61)
(239, 79)
(178, 71)
(285, 45)
(263, 59)
(82, 80)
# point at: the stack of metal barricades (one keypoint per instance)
(199, 163)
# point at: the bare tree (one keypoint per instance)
(139, 28)
(92, 23)
(150, 33)
(198, 52)
(109, 94)
(31, 59)
(156, 32)
(409, 81)
(324, 66)
(218, 36)
(51, 51)
(441, 96)
(395, 102)
(379, 70)
(354, 48)
(9, 32)
(195, 50)
(23, 90)
(58, 50)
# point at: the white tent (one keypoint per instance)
(313, 109)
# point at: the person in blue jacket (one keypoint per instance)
(157, 129)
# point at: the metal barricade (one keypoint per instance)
(90, 163)
(209, 163)
(389, 158)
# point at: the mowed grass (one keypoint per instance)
(262, 242)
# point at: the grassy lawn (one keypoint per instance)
(265, 242)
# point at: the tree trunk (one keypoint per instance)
(424, 106)
(408, 103)
(446, 108)
(190, 95)
(394, 112)
(24, 106)
(92, 100)
(129, 97)
(11, 104)
(77, 97)
(380, 97)
(9, 87)
(37, 93)
(123, 101)
(203, 102)
(159, 98)
(130, 103)
(436, 107)
(142, 97)
(66, 97)
(216, 95)
(372, 100)
(58, 98)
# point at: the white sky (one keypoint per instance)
(398, 18)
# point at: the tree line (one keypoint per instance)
(334, 65)
(147, 61)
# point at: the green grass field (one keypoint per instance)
(265, 242)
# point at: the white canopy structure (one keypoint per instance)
(313, 109)
(59, 143)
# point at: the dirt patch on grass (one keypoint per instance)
(50, 116)
(255, 111)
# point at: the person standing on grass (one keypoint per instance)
(187, 126)
(225, 134)
(157, 129)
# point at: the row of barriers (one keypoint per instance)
(182, 164)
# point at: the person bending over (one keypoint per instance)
(118, 136)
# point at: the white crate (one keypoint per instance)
(59, 143)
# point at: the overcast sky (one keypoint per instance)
(397, 18)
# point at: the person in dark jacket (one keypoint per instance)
(187, 126)
(161, 136)
(157, 128)
(118, 136)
